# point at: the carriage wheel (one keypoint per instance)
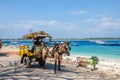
(26, 61)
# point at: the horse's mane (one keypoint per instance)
(67, 43)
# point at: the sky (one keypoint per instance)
(60, 18)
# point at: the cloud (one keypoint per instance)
(96, 20)
(102, 26)
(104, 22)
(78, 12)
(87, 28)
(51, 25)
(111, 24)
(38, 24)
(23, 27)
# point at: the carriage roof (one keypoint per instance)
(36, 35)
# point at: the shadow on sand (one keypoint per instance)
(35, 72)
(3, 54)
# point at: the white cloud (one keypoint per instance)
(112, 24)
(92, 20)
(91, 26)
(95, 20)
(24, 27)
(102, 26)
(78, 12)
(104, 22)
(103, 19)
(39, 25)
(51, 25)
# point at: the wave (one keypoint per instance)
(74, 44)
(107, 43)
(99, 42)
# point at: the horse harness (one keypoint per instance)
(57, 48)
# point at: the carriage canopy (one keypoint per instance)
(38, 37)
(35, 35)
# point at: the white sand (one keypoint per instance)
(104, 65)
(10, 69)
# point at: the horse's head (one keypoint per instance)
(65, 48)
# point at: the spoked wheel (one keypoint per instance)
(26, 61)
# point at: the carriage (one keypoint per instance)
(39, 39)
(44, 51)
(85, 62)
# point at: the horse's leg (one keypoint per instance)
(59, 64)
(43, 64)
(43, 61)
(40, 62)
(55, 66)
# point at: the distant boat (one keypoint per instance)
(14, 43)
(111, 44)
(74, 44)
(98, 42)
(108, 43)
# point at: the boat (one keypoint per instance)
(108, 43)
(74, 44)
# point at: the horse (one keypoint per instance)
(55, 52)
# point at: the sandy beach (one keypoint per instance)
(11, 69)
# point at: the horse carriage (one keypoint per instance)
(56, 51)
(28, 55)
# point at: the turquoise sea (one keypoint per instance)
(101, 48)
(111, 52)
(109, 49)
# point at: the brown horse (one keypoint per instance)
(55, 52)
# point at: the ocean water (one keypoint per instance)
(109, 49)
(101, 48)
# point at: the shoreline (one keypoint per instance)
(100, 57)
